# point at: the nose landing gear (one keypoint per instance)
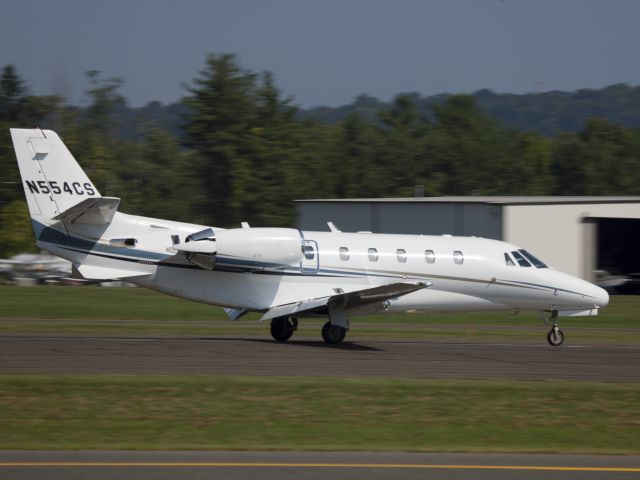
(555, 337)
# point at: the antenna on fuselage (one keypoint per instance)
(332, 227)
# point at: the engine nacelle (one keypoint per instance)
(270, 246)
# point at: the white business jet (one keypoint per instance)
(284, 273)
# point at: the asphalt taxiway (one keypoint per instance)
(183, 355)
(58, 465)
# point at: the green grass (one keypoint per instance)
(87, 302)
(197, 412)
(55, 309)
(166, 412)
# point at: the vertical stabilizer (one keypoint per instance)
(53, 181)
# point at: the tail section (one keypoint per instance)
(53, 181)
(68, 214)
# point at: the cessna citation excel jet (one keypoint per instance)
(284, 273)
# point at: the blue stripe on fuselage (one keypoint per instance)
(61, 239)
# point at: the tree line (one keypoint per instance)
(243, 152)
(548, 113)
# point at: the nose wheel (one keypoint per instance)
(555, 337)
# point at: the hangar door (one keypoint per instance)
(618, 246)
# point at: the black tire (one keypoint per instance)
(555, 337)
(281, 329)
(333, 334)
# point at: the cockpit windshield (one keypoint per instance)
(536, 261)
(520, 259)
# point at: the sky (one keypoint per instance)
(324, 52)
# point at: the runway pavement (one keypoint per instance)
(236, 355)
(261, 356)
(54, 465)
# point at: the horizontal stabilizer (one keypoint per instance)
(95, 211)
(91, 272)
(346, 301)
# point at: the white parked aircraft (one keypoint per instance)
(39, 266)
(284, 273)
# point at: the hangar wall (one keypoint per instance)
(562, 231)
(564, 236)
(408, 217)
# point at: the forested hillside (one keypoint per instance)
(548, 113)
(236, 150)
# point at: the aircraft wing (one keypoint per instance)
(346, 301)
(296, 307)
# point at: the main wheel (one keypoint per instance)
(333, 334)
(281, 329)
(555, 337)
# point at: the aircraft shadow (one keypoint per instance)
(319, 344)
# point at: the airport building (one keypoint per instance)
(577, 235)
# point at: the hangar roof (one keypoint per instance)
(497, 200)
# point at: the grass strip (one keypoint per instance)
(171, 412)
(95, 310)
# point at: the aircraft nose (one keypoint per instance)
(601, 296)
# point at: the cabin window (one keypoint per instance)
(520, 259)
(344, 253)
(429, 256)
(536, 261)
(373, 254)
(508, 260)
(309, 252)
(458, 258)
(401, 255)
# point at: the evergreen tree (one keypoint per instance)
(218, 128)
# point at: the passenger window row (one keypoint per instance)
(401, 255)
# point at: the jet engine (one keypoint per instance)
(244, 248)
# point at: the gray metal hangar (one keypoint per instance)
(577, 235)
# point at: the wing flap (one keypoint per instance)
(296, 307)
(360, 298)
(346, 301)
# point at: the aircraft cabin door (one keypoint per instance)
(310, 258)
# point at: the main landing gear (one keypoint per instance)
(282, 329)
(333, 334)
(555, 337)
